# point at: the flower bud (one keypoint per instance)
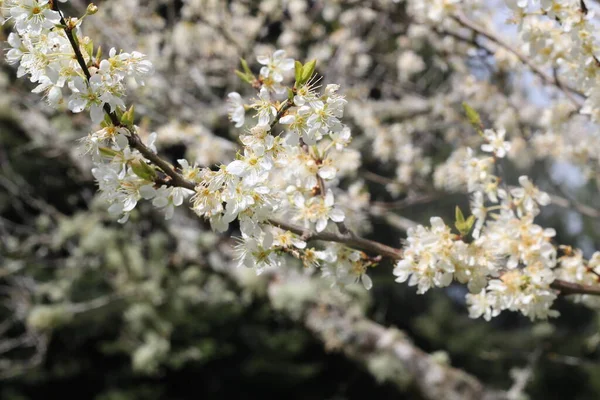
(91, 9)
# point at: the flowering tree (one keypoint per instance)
(295, 189)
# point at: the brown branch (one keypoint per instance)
(406, 202)
(175, 178)
(470, 40)
(286, 105)
(570, 202)
(373, 177)
(581, 208)
(349, 239)
(567, 288)
(133, 139)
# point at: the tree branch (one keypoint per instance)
(568, 288)
(387, 353)
(133, 139)
(553, 80)
(349, 239)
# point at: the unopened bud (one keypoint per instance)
(91, 9)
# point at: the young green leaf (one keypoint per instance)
(108, 152)
(473, 117)
(298, 72)
(128, 117)
(89, 48)
(243, 76)
(459, 215)
(245, 67)
(143, 170)
(308, 70)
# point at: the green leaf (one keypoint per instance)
(473, 117)
(308, 70)
(89, 48)
(107, 152)
(245, 67)
(246, 76)
(128, 117)
(470, 222)
(119, 113)
(243, 76)
(107, 121)
(462, 226)
(298, 72)
(459, 215)
(75, 38)
(143, 170)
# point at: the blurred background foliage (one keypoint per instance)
(147, 310)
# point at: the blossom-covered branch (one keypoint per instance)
(284, 187)
(547, 78)
(349, 239)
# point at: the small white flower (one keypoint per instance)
(265, 108)
(235, 109)
(495, 142)
(327, 172)
(51, 87)
(253, 168)
(482, 304)
(529, 196)
(256, 253)
(275, 65)
(34, 15)
(317, 210)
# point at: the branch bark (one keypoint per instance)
(349, 239)
(387, 353)
(370, 343)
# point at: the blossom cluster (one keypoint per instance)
(43, 48)
(290, 175)
(556, 41)
(294, 151)
(44, 52)
(563, 37)
(506, 260)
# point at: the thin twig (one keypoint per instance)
(406, 202)
(349, 239)
(133, 138)
(553, 80)
(286, 105)
(567, 288)
(564, 287)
